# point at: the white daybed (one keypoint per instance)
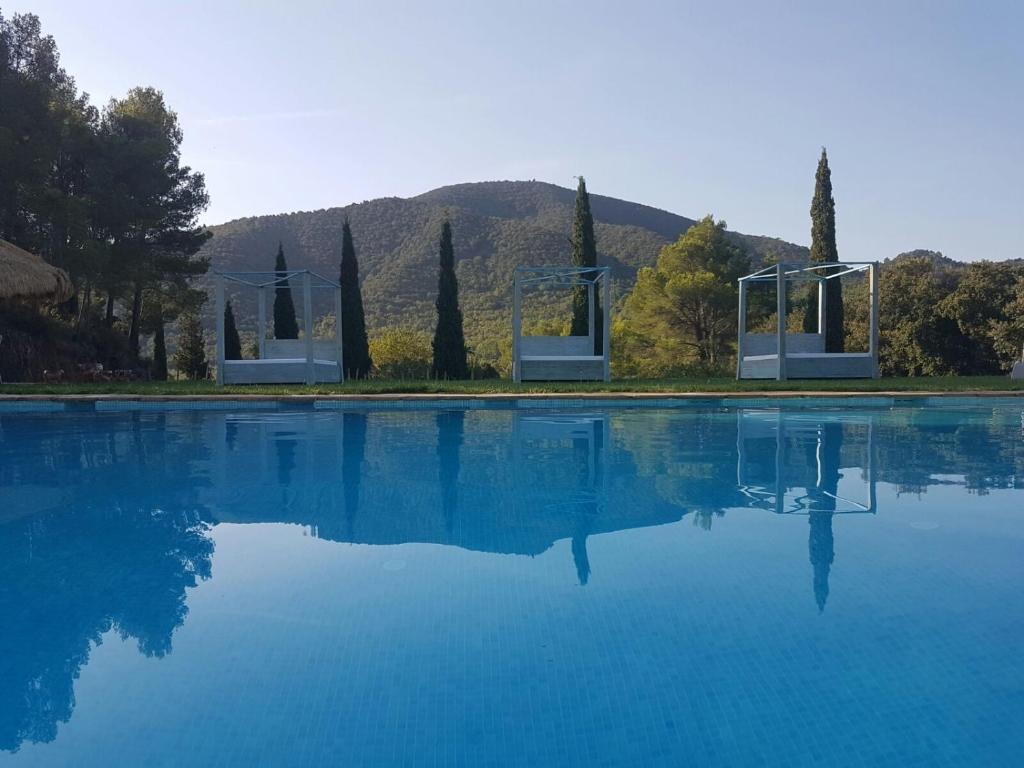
(783, 355)
(282, 361)
(561, 358)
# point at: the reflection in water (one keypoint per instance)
(104, 520)
(104, 535)
(450, 426)
(353, 432)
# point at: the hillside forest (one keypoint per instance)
(101, 192)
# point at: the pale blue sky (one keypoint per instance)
(692, 107)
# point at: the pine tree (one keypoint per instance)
(823, 251)
(190, 357)
(355, 346)
(159, 368)
(584, 254)
(232, 341)
(449, 342)
(285, 324)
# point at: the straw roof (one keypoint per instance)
(26, 276)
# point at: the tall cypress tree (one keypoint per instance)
(449, 342)
(584, 254)
(232, 341)
(190, 359)
(824, 251)
(285, 324)
(354, 344)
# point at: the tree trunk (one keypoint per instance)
(109, 319)
(133, 328)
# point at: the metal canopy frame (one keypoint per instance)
(594, 278)
(261, 281)
(781, 274)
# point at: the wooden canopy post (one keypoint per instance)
(337, 332)
(741, 328)
(873, 332)
(780, 283)
(606, 325)
(591, 313)
(517, 372)
(822, 303)
(220, 330)
(307, 320)
(261, 320)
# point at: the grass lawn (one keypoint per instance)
(504, 386)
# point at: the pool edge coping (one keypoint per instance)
(504, 396)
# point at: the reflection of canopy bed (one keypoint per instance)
(791, 462)
(783, 355)
(282, 361)
(561, 358)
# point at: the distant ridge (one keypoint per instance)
(498, 225)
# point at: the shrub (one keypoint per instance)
(401, 353)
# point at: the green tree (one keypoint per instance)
(584, 254)
(285, 324)
(823, 251)
(1008, 333)
(401, 353)
(916, 339)
(683, 311)
(449, 345)
(190, 357)
(355, 346)
(150, 203)
(983, 306)
(232, 341)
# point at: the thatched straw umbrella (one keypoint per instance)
(26, 276)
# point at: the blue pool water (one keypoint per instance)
(579, 586)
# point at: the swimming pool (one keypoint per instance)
(758, 584)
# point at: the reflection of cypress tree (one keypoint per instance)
(580, 558)
(822, 554)
(285, 447)
(450, 427)
(820, 544)
(589, 478)
(353, 453)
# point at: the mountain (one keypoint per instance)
(498, 225)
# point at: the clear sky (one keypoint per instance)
(692, 107)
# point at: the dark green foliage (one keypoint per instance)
(584, 254)
(190, 358)
(159, 367)
(100, 193)
(683, 311)
(939, 317)
(449, 344)
(823, 251)
(285, 324)
(355, 345)
(232, 341)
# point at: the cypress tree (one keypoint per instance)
(355, 346)
(190, 358)
(824, 251)
(285, 324)
(159, 371)
(584, 254)
(232, 341)
(449, 342)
